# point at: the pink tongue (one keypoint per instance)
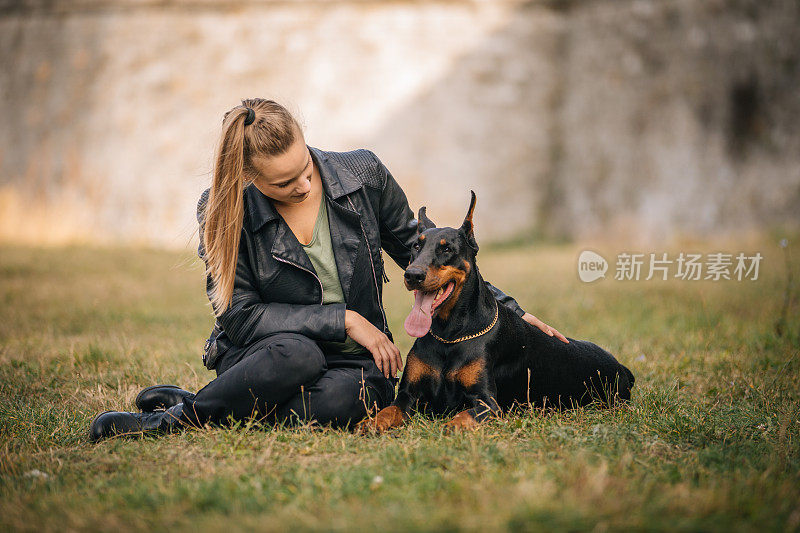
(419, 319)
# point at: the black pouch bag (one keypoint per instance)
(216, 345)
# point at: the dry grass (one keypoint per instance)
(710, 441)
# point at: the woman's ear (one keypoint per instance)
(468, 227)
(423, 222)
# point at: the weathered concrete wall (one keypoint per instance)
(571, 118)
(678, 117)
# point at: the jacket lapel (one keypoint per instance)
(287, 247)
(345, 223)
(345, 231)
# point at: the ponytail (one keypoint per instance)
(272, 132)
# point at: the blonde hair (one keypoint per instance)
(272, 132)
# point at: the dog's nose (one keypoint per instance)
(414, 276)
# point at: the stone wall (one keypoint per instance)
(678, 118)
(578, 119)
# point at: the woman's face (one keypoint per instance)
(286, 178)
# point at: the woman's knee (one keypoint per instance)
(345, 400)
(292, 357)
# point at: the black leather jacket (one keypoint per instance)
(276, 288)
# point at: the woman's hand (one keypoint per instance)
(553, 332)
(385, 353)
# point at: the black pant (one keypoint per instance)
(285, 377)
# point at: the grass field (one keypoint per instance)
(709, 442)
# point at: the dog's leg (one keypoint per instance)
(463, 421)
(419, 380)
(387, 418)
(484, 405)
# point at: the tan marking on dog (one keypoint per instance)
(422, 237)
(445, 275)
(416, 369)
(437, 278)
(469, 374)
(442, 242)
(387, 418)
(463, 421)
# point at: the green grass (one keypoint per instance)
(709, 442)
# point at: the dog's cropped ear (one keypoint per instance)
(468, 227)
(423, 221)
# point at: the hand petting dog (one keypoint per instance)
(553, 332)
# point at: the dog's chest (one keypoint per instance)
(441, 385)
(443, 396)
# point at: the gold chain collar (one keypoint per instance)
(474, 335)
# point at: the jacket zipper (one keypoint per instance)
(321, 297)
(383, 271)
(372, 264)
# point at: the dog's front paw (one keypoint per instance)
(388, 418)
(463, 421)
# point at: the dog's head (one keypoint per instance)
(441, 260)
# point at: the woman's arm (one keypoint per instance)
(248, 318)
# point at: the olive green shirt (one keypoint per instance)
(320, 252)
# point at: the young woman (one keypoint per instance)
(291, 237)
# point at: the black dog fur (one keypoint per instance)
(513, 362)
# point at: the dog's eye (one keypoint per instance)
(446, 249)
(416, 246)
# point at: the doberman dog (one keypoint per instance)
(476, 357)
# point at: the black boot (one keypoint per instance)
(113, 423)
(160, 397)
